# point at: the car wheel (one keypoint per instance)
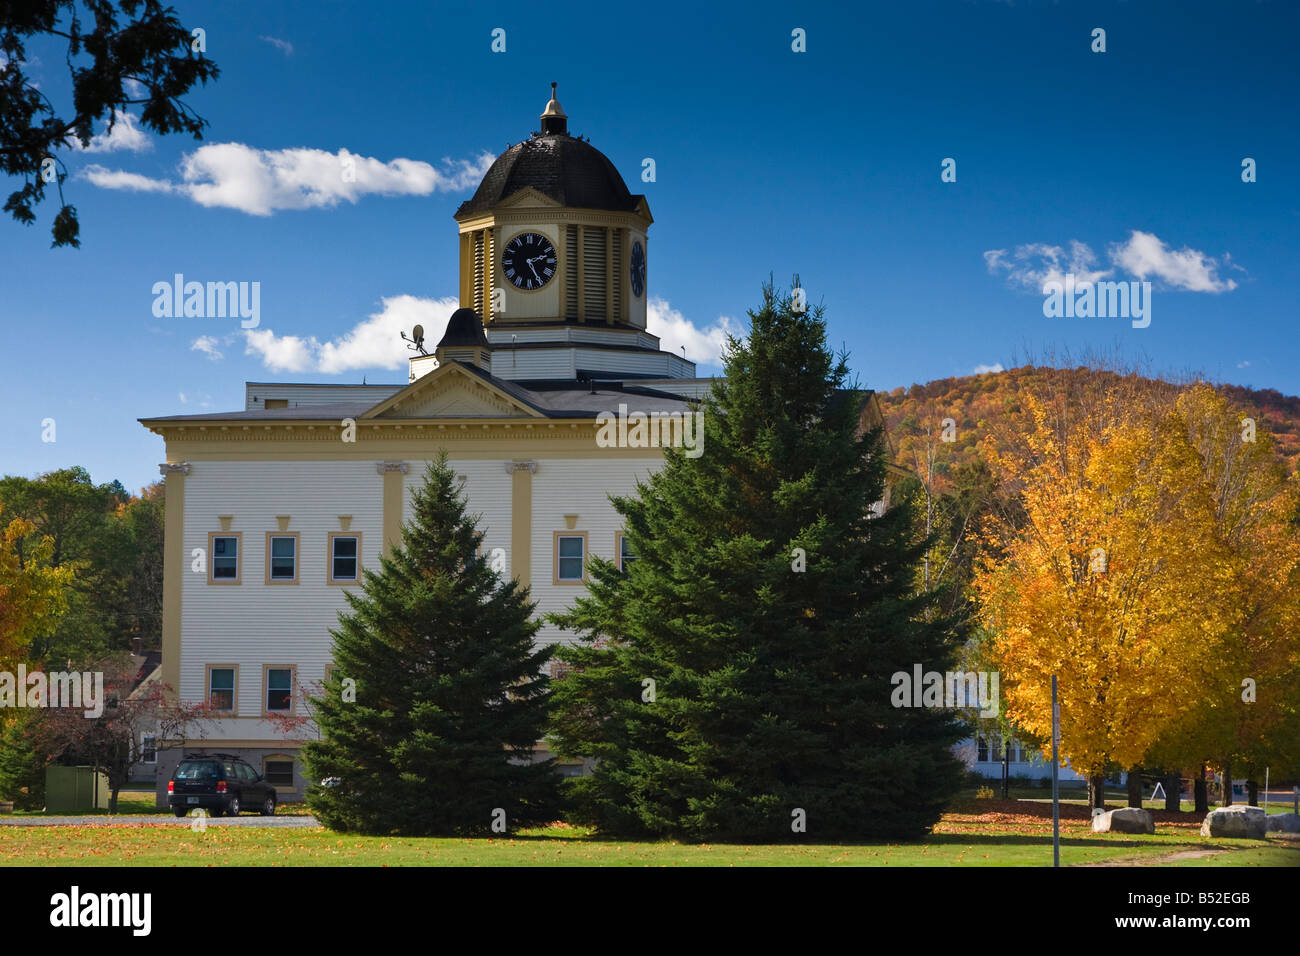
(232, 808)
(268, 806)
(179, 811)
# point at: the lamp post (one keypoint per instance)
(1056, 791)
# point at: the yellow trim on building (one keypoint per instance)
(393, 501)
(175, 567)
(521, 525)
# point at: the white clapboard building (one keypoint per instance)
(274, 510)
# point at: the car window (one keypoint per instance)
(197, 770)
(248, 773)
(230, 772)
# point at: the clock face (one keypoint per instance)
(528, 261)
(638, 269)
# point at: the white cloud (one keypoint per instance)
(1243, 364)
(1035, 264)
(1145, 255)
(703, 345)
(204, 401)
(376, 341)
(119, 179)
(985, 369)
(125, 135)
(283, 45)
(208, 346)
(260, 181)
(281, 353)
(373, 343)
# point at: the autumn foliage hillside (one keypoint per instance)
(984, 406)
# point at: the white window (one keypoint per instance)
(225, 558)
(344, 557)
(279, 689)
(148, 748)
(570, 557)
(221, 688)
(624, 552)
(282, 558)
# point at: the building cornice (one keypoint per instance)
(469, 429)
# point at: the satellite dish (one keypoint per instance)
(416, 339)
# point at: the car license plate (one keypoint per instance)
(193, 800)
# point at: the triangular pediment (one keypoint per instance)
(452, 391)
(528, 196)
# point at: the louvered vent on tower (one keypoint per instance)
(570, 272)
(489, 253)
(478, 272)
(616, 239)
(594, 290)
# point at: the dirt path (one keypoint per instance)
(1158, 860)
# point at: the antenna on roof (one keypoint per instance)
(416, 339)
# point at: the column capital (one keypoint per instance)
(382, 467)
(513, 466)
(174, 468)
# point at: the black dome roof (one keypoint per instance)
(464, 328)
(567, 169)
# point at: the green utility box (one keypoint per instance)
(75, 788)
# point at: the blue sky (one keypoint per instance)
(1124, 165)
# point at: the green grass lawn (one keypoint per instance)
(567, 846)
(973, 832)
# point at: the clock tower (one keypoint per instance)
(552, 238)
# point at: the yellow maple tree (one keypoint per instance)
(1250, 714)
(1104, 576)
(32, 591)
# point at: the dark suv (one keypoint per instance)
(218, 783)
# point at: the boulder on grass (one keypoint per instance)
(1283, 823)
(1124, 820)
(1235, 821)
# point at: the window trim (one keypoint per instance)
(234, 695)
(297, 556)
(555, 557)
(279, 788)
(266, 687)
(240, 554)
(329, 560)
(618, 550)
(143, 750)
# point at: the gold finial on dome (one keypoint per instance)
(554, 119)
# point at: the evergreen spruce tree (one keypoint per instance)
(771, 673)
(450, 692)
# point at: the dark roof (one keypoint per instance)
(567, 169)
(336, 411)
(464, 328)
(553, 399)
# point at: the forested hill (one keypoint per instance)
(980, 403)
